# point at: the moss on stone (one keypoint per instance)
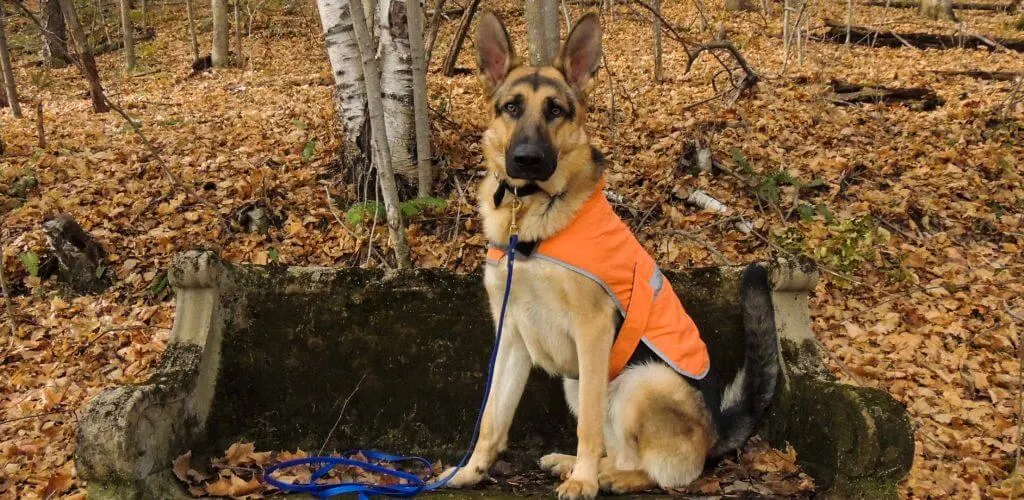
(856, 442)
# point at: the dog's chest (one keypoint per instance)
(543, 310)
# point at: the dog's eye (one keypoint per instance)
(511, 108)
(555, 111)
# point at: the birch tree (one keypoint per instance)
(542, 35)
(219, 55)
(128, 35)
(88, 62)
(419, 95)
(396, 85)
(8, 71)
(938, 9)
(349, 87)
(382, 157)
(55, 36)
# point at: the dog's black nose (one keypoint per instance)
(527, 156)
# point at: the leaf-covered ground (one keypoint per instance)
(917, 216)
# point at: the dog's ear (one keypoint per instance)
(494, 54)
(581, 53)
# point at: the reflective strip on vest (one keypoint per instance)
(599, 246)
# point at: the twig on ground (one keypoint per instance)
(35, 415)
(167, 168)
(340, 413)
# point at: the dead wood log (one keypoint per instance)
(918, 98)
(460, 36)
(147, 33)
(908, 4)
(80, 258)
(1000, 76)
(866, 36)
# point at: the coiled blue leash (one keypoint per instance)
(414, 485)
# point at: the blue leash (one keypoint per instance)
(414, 485)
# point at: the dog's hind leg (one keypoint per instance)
(660, 431)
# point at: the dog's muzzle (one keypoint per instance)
(530, 161)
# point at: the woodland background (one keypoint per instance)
(913, 209)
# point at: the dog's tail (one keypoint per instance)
(749, 394)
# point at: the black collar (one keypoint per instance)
(523, 248)
(504, 186)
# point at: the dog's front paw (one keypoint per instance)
(464, 477)
(558, 464)
(577, 489)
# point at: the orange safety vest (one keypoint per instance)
(598, 245)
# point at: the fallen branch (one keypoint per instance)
(908, 4)
(867, 36)
(167, 168)
(1001, 76)
(921, 99)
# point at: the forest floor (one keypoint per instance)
(917, 217)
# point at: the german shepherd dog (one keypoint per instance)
(650, 426)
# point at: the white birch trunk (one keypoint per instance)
(382, 157)
(219, 55)
(128, 35)
(419, 96)
(938, 9)
(396, 85)
(349, 87)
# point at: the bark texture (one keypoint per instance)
(8, 71)
(382, 155)
(192, 29)
(419, 95)
(99, 101)
(349, 87)
(396, 86)
(937, 9)
(55, 35)
(542, 35)
(127, 35)
(220, 33)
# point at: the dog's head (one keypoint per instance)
(536, 134)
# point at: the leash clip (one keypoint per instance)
(513, 227)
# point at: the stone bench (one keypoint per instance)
(270, 354)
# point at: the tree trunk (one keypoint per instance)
(382, 157)
(542, 34)
(145, 14)
(349, 87)
(658, 70)
(938, 9)
(192, 29)
(220, 33)
(99, 102)
(460, 36)
(396, 86)
(435, 24)
(55, 36)
(8, 70)
(239, 58)
(419, 96)
(739, 5)
(128, 35)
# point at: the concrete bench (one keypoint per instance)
(268, 354)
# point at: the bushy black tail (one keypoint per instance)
(749, 394)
